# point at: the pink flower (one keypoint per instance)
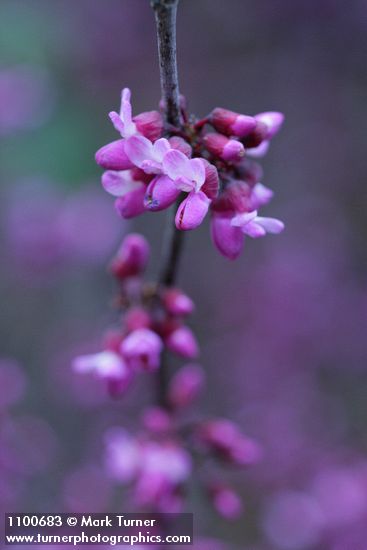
(142, 348)
(129, 192)
(226, 149)
(225, 438)
(231, 123)
(149, 124)
(192, 211)
(147, 155)
(160, 193)
(106, 365)
(188, 174)
(132, 256)
(186, 385)
(113, 157)
(123, 121)
(183, 342)
(256, 226)
(177, 303)
(227, 238)
(273, 121)
(226, 502)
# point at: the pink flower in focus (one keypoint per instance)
(256, 226)
(123, 121)
(147, 155)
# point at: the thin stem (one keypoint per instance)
(165, 16)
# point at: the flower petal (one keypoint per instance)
(161, 147)
(161, 193)
(138, 149)
(197, 169)
(227, 238)
(176, 164)
(117, 122)
(271, 225)
(253, 229)
(192, 211)
(240, 220)
(117, 183)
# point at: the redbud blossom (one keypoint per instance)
(132, 257)
(142, 348)
(113, 157)
(149, 124)
(231, 123)
(183, 342)
(226, 502)
(186, 385)
(226, 439)
(177, 302)
(160, 193)
(108, 366)
(226, 149)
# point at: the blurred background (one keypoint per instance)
(282, 330)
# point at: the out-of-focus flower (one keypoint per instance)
(132, 257)
(156, 469)
(186, 385)
(142, 348)
(226, 439)
(183, 342)
(226, 501)
(106, 365)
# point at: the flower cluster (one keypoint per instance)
(198, 169)
(157, 463)
(153, 319)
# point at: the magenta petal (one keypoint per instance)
(150, 124)
(227, 239)
(131, 204)
(192, 211)
(113, 157)
(160, 193)
(138, 149)
(176, 164)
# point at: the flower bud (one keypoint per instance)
(131, 204)
(180, 144)
(226, 439)
(177, 303)
(157, 420)
(137, 317)
(226, 501)
(183, 342)
(160, 193)
(142, 348)
(186, 385)
(231, 123)
(211, 183)
(149, 124)
(257, 136)
(108, 366)
(132, 257)
(113, 157)
(220, 146)
(273, 121)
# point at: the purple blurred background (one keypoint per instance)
(282, 330)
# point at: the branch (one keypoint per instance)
(165, 16)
